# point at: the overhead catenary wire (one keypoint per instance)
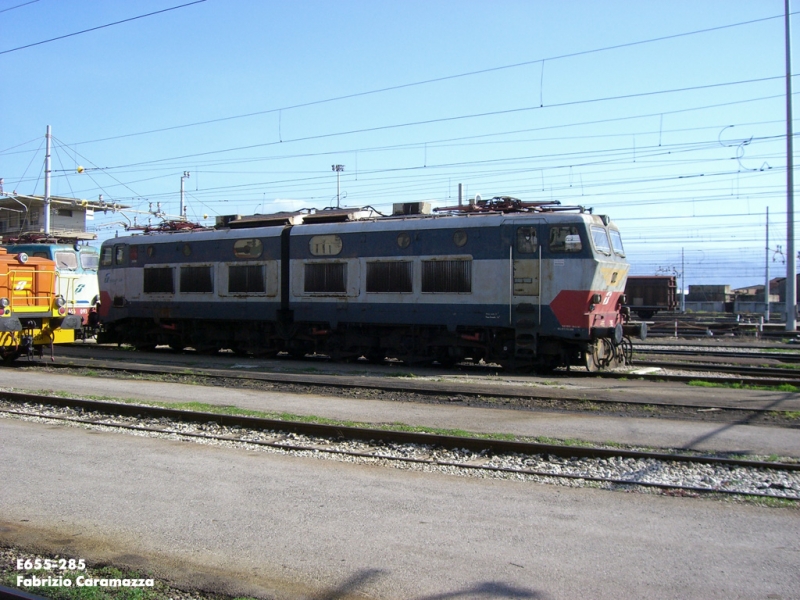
(68, 35)
(448, 119)
(279, 110)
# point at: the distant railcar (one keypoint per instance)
(500, 281)
(32, 314)
(647, 295)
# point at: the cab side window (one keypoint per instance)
(106, 256)
(526, 240)
(565, 238)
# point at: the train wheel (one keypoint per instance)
(592, 358)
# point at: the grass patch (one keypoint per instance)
(786, 387)
(773, 502)
(789, 366)
(401, 374)
(566, 442)
(792, 415)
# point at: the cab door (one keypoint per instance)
(111, 274)
(526, 256)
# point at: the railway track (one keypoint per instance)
(731, 361)
(787, 356)
(612, 468)
(755, 375)
(476, 391)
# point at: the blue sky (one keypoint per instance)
(680, 140)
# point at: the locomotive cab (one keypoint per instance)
(32, 314)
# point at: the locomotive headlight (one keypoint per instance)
(60, 301)
(3, 302)
(596, 298)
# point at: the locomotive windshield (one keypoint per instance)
(600, 239)
(66, 260)
(616, 242)
(89, 261)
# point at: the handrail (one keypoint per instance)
(31, 294)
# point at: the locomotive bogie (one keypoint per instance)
(533, 289)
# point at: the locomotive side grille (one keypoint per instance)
(386, 277)
(325, 278)
(196, 280)
(158, 280)
(248, 279)
(447, 276)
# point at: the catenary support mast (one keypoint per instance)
(791, 280)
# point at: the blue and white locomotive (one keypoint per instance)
(525, 285)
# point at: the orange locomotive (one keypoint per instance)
(32, 315)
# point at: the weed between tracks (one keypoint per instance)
(783, 366)
(786, 387)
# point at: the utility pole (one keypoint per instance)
(183, 204)
(338, 169)
(683, 283)
(47, 183)
(791, 259)
(766, 276)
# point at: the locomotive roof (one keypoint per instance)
(353, 220)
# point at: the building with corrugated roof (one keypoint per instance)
(69, 217)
